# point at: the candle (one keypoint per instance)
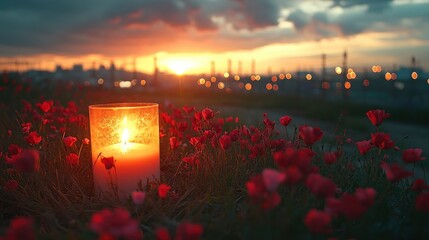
(130, 134)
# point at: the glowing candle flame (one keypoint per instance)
(125, 137)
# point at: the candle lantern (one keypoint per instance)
(128, 132)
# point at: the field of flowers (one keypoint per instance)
(220, 179)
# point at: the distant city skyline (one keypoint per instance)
(187, 35)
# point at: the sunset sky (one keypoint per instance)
(189, 34)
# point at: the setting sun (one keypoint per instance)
(179, 66)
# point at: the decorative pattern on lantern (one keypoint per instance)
(128, 132)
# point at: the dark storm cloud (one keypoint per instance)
(147, 26)
(66, 26)
(352, 20)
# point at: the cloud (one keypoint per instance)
(128, 27)
(353, 18)
(372, 6)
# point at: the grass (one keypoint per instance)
(213, 193)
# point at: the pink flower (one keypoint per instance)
(138, 197)
(163, 190)
(108, 162)
(28, 160)
(116, 224)
(207, 113)
(364, 146)
(285, 120)
(310, 135)
(394, 172)
(33, 138)
(321, 186)
(225, 141)
(412, 155)
(72, 159)
(318, 221)
(377, 116)
(189, 231)
(21, 228)
(69, 141)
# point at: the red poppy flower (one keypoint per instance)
(318, 221)
(26, 127)
(21, 228)
(394, 172)
(138, 197)
(207, 113)
(72, 159)
(174, 143)
(382, 140)
(191, 159)
(182, 126)
(45, 106)
(285, 120)
(412, 155)
(330, 157)
(108, 162)
(291, 156)
(69, 141)
(353, 206)
(364, 146)
(13, 149)
(321, 186)
(28, 160)
(422, 202)
(33, 138)
(225, 141)
(260, 194)
(272, 179)
(310, 135)
(198, 116)
(333, 206)
(187, 109)
(419, 185)
(294, 175)
(268, 123)
(189, 231)
(162, 234)
(377, 116)
(116, 224)
(163, 190)
(85, 141)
